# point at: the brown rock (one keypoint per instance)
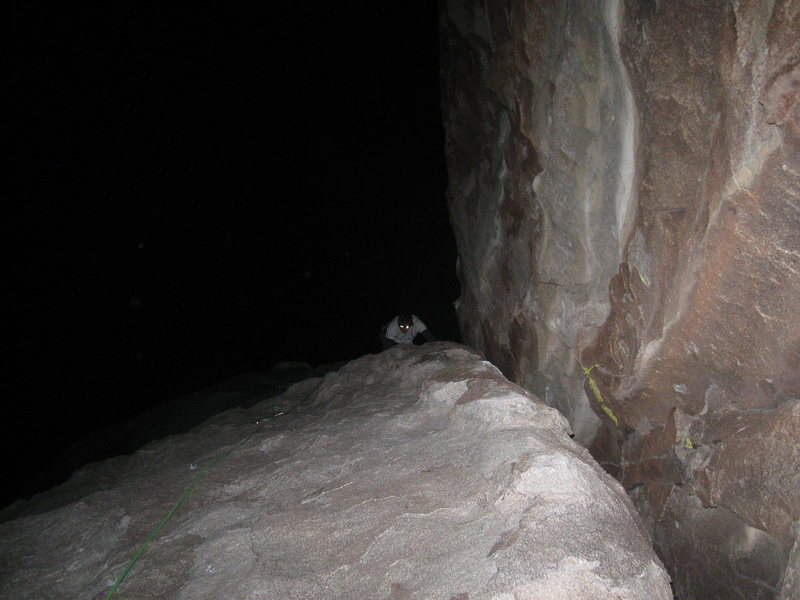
(625, 192)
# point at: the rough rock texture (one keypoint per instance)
(625, 192)
(417, 473)
(167, 418)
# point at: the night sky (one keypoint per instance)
(209, 190)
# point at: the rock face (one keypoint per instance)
(625, 193)
(417, 473)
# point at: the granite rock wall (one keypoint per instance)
(625, 194)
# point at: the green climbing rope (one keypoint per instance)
(195, 481)
(177, 505)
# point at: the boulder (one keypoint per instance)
(420, 472)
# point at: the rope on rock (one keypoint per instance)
(193, 484)
(177, 505)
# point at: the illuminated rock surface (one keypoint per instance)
(625, 193)
(420, 472)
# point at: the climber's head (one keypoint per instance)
(405, 322)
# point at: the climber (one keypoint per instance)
(404, 329)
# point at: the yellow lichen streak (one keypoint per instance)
(596, 391)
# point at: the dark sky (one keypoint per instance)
(209, 190)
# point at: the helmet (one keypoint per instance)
(405, 322)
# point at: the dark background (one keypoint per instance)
(209, 190)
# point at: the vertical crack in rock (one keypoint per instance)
(627, 122)
(541, 184)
